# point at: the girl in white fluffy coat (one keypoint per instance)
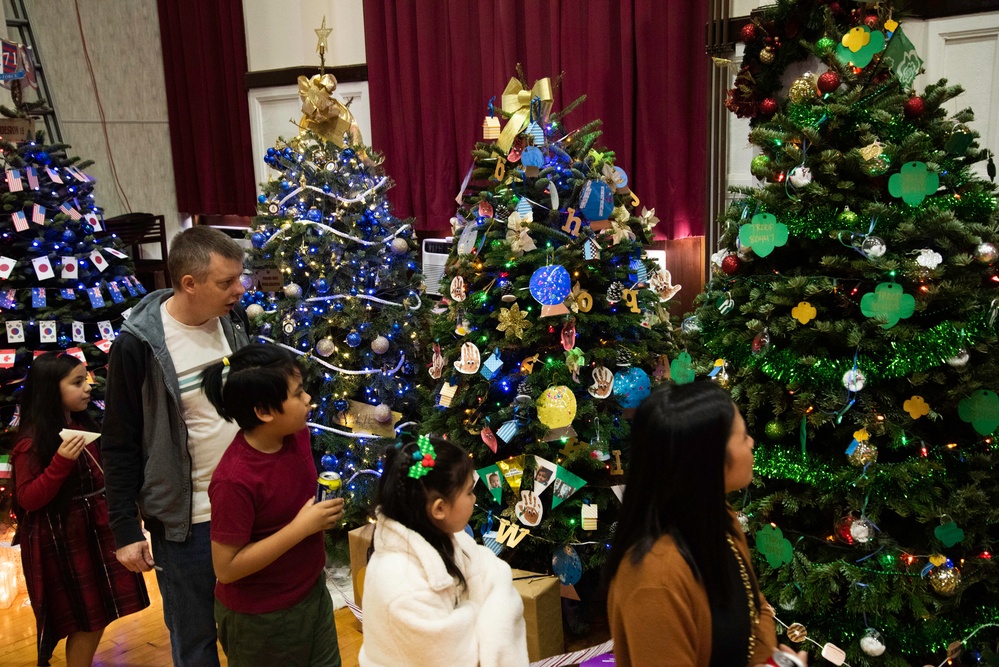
(431, 594)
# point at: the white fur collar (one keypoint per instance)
(391, 536)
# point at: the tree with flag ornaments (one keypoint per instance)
(553, 332)
(853, 312)
(335, 279)
(65, 284)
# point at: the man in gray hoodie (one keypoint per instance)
(162, 439)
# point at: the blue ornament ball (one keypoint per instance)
(340, 404)
(68, 236)
(285, 185)
(314, 214)
(42, 157)
(567, 565)
(338, 306)
(353, 339)
(271, 152)
(408, 368)
(532, 157)
(258, 240)
(87, 228)
(266, 329)
(321, 286)
(631, 387)
(347, 153)
(328, 462)
(596, 201)
(262, 199)
(550, 285)
(64, 341)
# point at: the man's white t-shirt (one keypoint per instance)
(193, 348)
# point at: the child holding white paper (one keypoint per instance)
(75, 583)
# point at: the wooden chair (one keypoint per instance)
(136, 230)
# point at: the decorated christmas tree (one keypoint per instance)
(853, 311)
(552, 331)
(335, 279)
(65, 284)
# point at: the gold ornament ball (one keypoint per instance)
(767, 55)
(802, 90)
(557, 407)
(864, 454)
(945, 580)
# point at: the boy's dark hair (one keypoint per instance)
(41, 413)
(256, 378)
(404, 498)
(191, 252)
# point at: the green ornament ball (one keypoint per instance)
(825, 45)
(847, 218)
(774, 430)
(760, 166)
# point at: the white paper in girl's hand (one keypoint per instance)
(89, 436)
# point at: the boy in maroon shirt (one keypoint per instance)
(271, 601)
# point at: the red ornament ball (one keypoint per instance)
(872, 21)
(769, 106)
(748, 33)
(828, 82)
(915, 107)
(835, 7)
(730, 264)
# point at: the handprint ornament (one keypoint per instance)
(529, 510)
(603, 382)
(470, 359)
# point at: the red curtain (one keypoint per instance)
(204, 60)
(433, 65)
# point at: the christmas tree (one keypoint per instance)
(335, 279)
(65, 284)
(551, 333)
(853, 310)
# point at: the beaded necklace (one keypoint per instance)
(754, 612)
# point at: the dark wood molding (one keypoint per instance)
(288, 76)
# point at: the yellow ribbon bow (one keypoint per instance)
(517, 102)
(322, 113)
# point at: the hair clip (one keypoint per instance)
(225, 361)
(425, 458)
(225, 370)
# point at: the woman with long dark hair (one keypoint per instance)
(75, 583)
(683, 591)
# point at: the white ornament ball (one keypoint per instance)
(254, 310)
(325, 347)
(871, 643)
(383, 413)
(800, 176)
(293, 290)
(929, 259)
(854, 380)
(399, 246)
(380, 345)
(873, 247)
(862, 531)
(959, 359)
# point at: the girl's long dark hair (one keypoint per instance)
(675, 482)
(42, 413)
(404, 499)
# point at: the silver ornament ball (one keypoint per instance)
(383, 413)
(254, 310)
(325, 347)
(380, 345)
(986, 253)
(871, 643)
(873, 247)
(399, 246)
(293, 290)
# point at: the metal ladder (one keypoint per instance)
(17, 19)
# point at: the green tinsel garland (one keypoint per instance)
(925, 351)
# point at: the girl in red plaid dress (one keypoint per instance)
(75, 583)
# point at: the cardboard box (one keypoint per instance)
(359, 541)
(542, 613)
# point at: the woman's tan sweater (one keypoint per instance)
(659, 612)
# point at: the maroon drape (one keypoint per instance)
(433, 65)
(204, 61)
